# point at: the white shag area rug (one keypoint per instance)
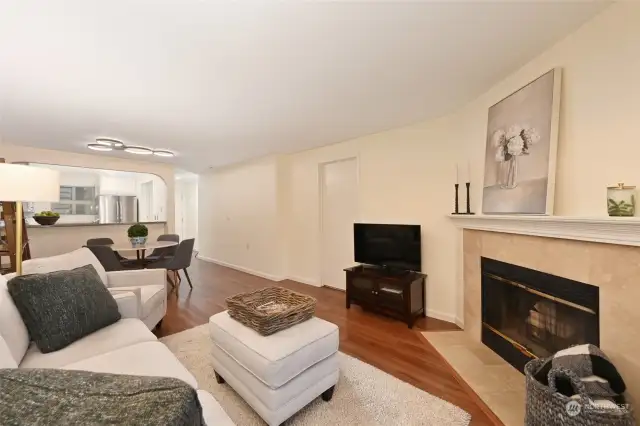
(364, 395)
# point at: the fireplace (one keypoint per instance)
(530, 314)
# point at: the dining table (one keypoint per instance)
(141, 250)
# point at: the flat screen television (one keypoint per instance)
(392, 246)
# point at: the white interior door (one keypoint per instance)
(145, 203)
(339, 210)
(190, 210)
(179, 213)
(186, 213)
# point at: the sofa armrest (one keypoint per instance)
(128, 303)
(212, 412)
(136, 278)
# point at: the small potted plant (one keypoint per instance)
(46, 218)
(621, 200)
(138, 234)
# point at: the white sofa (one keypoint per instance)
(146, 286)
(126, 347)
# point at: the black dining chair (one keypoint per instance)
(163, 252)
(180, 261)
(99, 241)
(105, 241)
(107, 258)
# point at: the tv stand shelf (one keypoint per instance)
(397, 294)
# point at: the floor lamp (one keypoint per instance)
(21, 184)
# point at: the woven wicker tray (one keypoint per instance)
(271, 309)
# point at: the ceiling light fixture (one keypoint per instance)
(163, 153)
(108, 144)
(99, 147)
(138, 150)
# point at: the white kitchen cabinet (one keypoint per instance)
(116, 185)
(152, 198)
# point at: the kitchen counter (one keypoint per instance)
(65, 237)
(68, 225)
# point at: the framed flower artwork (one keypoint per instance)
(522, 141)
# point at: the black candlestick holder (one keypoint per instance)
(468, 184)
(457, 210)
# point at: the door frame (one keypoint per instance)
(321, 195)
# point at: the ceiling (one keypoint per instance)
(221, 81)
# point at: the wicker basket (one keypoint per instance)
(271, 309)
(546, 407)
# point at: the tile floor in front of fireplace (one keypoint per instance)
(494, 380)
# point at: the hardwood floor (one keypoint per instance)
(384, 343)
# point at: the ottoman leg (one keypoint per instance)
(328, 394)
(219, 378)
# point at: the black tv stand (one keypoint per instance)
(393, 271)
(394, 292)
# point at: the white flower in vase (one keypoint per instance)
(513, 131)
(499, 138)
(531, 136)
(500, 154)
(515, 146)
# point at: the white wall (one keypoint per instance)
(406, 175)
(15, 153)
(600, 105)
(238, 218)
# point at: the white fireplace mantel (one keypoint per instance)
(609, 230)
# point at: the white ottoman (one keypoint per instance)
(276, 375)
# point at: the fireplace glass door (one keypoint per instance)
(527, 314)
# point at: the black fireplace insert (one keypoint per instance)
(529, 314)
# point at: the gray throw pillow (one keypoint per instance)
(61, 307)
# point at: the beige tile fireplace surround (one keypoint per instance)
(614, 268)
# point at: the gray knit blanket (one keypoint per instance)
(598, 377)
(65, 397)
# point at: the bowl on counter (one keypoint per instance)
(46, 220)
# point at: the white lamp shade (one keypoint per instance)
(28, 184)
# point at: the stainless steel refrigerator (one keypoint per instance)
(118, 209)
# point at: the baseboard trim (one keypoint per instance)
(241, 268)
(441, 316)
(307, 281)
